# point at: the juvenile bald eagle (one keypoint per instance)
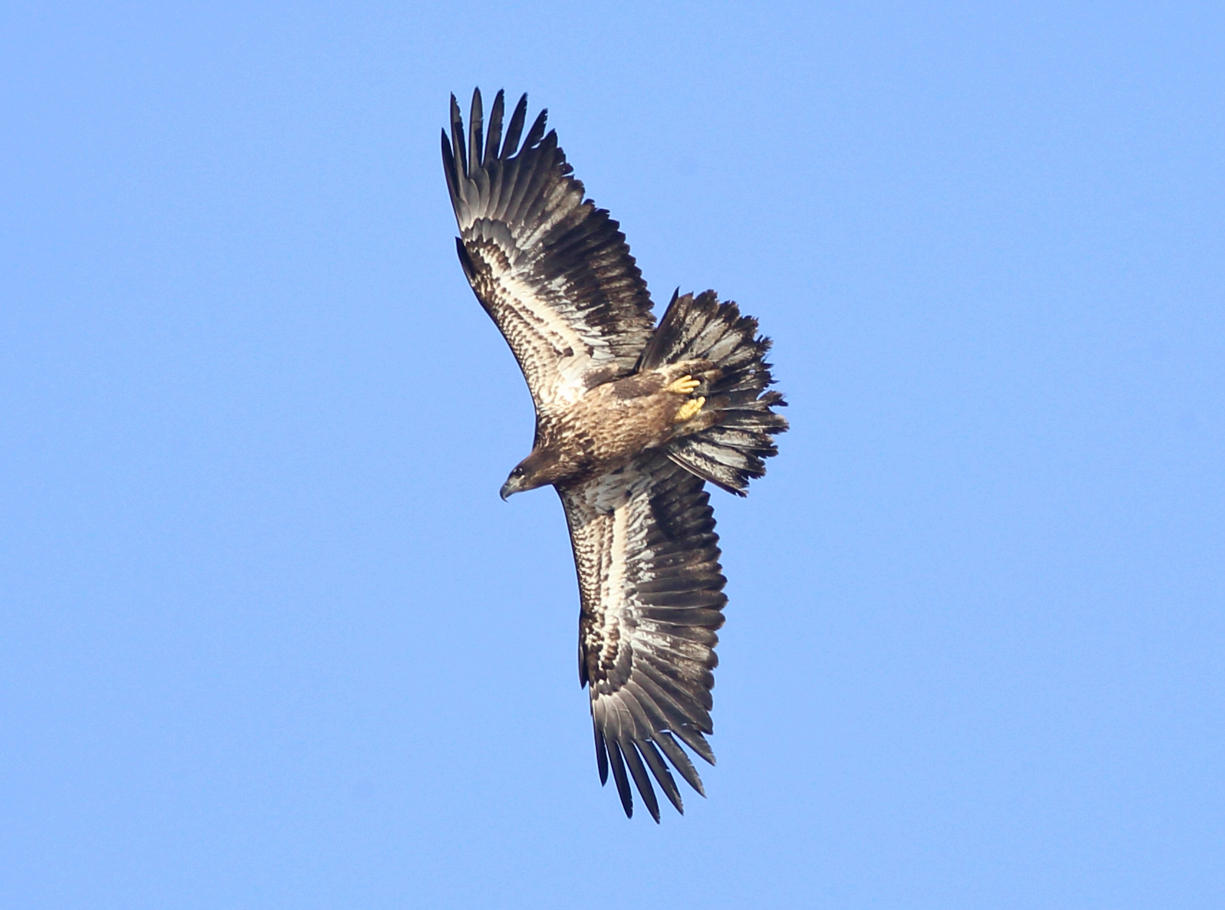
(631, 420)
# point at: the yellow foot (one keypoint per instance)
(684, 386)
(689, 409)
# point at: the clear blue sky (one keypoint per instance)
(268, 635)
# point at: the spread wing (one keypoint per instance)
(652, 593)
(551, 269)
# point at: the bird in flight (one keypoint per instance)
(632, 420)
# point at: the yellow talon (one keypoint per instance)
(689, 409)
(684, 386)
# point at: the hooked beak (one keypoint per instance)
(506, 491)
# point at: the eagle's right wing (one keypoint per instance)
(651, 591)
(551, 269)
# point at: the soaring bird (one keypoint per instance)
(632, 420)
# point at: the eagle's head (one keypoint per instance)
(532, 472)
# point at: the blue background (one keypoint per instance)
(268, 635)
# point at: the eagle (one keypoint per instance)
(632, 420)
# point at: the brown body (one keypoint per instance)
(614, 423)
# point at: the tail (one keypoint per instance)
(732, 451)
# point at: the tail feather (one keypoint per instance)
(733, 450)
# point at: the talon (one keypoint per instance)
(689, 409)
(684, 386)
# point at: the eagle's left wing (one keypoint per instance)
(551, 269)
(652, 593)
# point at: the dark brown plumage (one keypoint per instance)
(631, 420)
